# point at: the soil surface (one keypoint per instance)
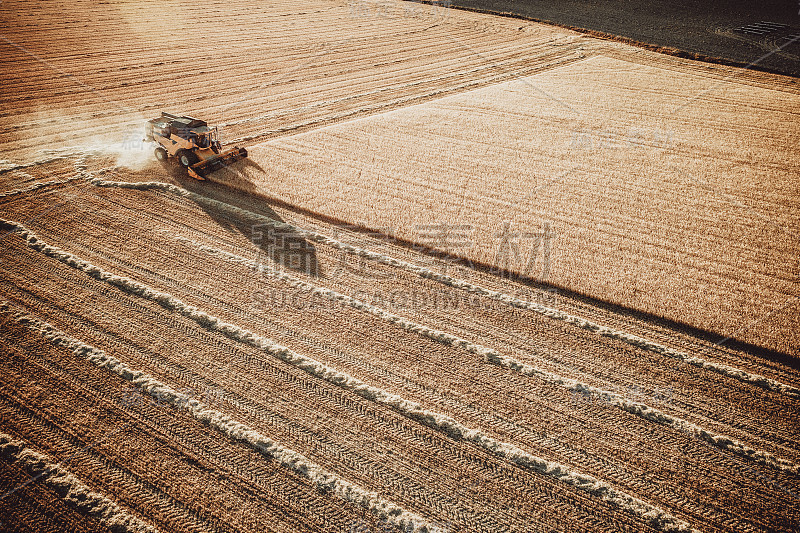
(328, 336)
(730, 30)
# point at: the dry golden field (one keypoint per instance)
(285, 348)
(662, 188)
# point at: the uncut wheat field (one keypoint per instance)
(476, 274)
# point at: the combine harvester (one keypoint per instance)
(192, 143)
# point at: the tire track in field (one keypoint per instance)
(152, 495)
(655, 516)
(709, 456)
(38, 509)
(41, 426)
(236, 311)
(326, 481)
(490, 355)
(628, 338)
(720, 441)
(69, 487)
(349, 459)
(403, 482)
(433, 448)
(418, 437)
(516, 429)
(249, 480)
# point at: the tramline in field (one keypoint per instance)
(475, 274)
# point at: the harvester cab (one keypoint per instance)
(192, 143)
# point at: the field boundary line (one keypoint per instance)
(69, 487)
(286, 457)
(653, 515)
(582, 323)
(490, 355)
(611, 37)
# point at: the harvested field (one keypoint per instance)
(333, 335)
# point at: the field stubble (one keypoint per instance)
(377, 384)
(350, 341)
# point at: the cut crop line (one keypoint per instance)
(655, 516)
(236, 430)
(70, 488)
(79, 163)
(37, 186)
(490, 355)
(19, 166)
(524, 80)
(604, 331)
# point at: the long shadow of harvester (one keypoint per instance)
(280, 248)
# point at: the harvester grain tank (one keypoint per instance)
(192, 143)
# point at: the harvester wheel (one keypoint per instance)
(161, 154)
(186, 158)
